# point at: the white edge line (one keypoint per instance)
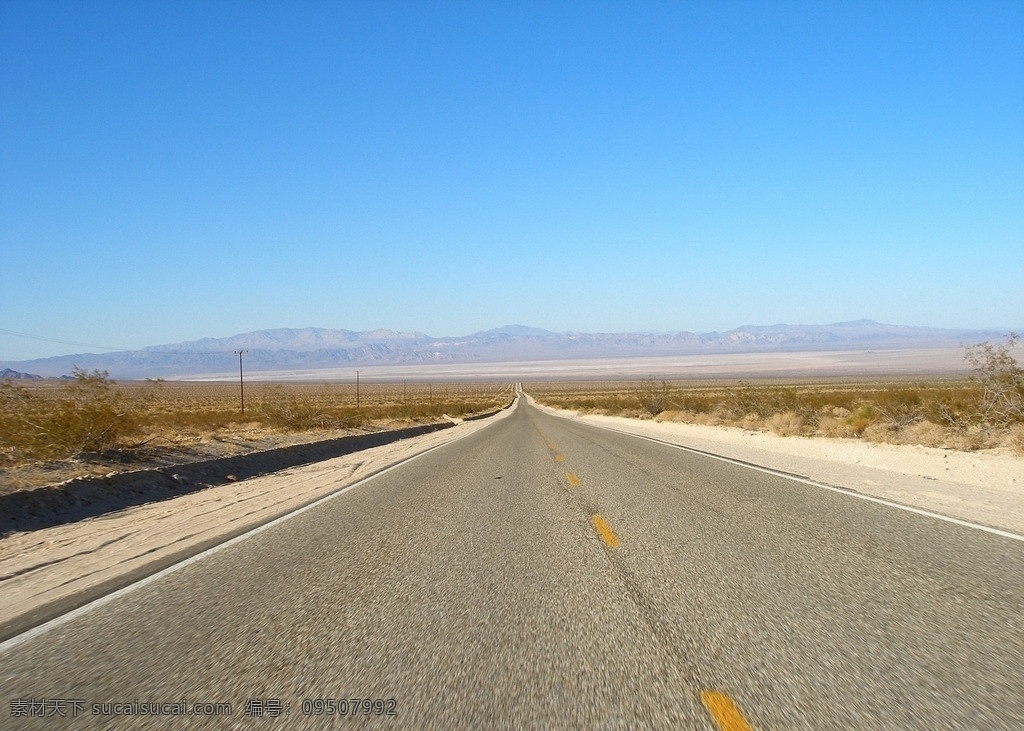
(41, 629)
(806, 481)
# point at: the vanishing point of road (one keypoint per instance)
(545, 574)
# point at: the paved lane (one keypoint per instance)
(812, 609)
(543, 574)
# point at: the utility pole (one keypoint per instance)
(241, 382)
(357, 390)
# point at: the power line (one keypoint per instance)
(151, 349)
(45, 339)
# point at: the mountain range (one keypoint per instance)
(316, 348)
(11, 375)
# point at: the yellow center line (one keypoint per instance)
(607, 534)
(574, 481)
(725, 712)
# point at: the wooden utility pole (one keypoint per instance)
(357, 390)
(241, 382)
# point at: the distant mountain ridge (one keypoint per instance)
(318, 348)
(10, 375)
(301, 340)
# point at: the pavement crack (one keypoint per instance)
(653, 617)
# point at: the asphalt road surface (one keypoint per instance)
(544, 574)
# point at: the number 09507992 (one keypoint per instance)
(350, 707)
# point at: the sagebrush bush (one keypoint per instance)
(925, 433)
(1002, 379)
(899, 406)
(752, 422)
(285, 410)
(88, 415)
(860, 419)
(833, 426)
(786, 424)
(653, 397)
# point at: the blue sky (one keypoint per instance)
(177, 170)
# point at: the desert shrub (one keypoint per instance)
(924, 433)
(899, 406)
(424, 410)
(968, 440)
(287, 410)
(786, 424)
(652, 397)
(830, 425)
(879, 431)
(697, 403)
(707, 420)
(751, 422)
(17, 415)
(464, 407)
(209, 419)
(88, 415)
(1002, 379)
(744, 402)
(292, 412)
(735, 404)
(861, 419)
(50, 421)
(1015, 438)
(957, 408)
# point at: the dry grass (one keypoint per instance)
(52, 420)
(946, 414)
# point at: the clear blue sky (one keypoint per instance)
(176, 170)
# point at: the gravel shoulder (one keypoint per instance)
(987, 489)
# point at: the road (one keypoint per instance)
(545, 574)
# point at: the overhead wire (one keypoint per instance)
(46, 339)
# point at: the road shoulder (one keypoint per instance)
(978, 488)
